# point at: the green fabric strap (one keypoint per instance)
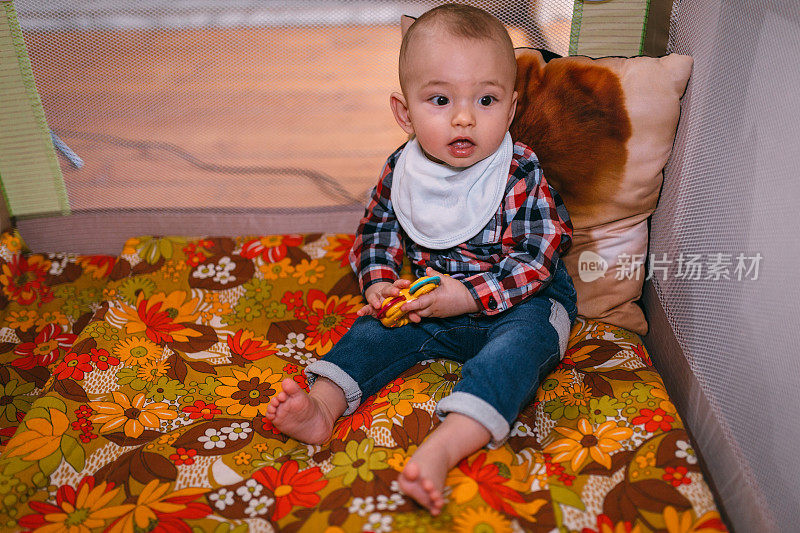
(610, 28)
(29, 171)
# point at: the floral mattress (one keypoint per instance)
(134, 390)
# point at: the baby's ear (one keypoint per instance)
(405, 23)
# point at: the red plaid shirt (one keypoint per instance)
(511, 258)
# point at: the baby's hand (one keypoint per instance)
(450, 298)
(376, 293)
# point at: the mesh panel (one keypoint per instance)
(731, 187)
(244, 104)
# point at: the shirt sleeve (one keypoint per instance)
(377, 253)
(537, 231)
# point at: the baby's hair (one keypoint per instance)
(459, 20)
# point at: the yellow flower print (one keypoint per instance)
(52, 317)
(242, 458)
(554, 385)
(588, 442)
(576, 394)
(247, 394)
(481, 519)
(648, 459)
(154, 498)
(308, 271)
(398, 459)
(11, 241)
(151, 370)
(41, 438)
(281, 269)
(659, 392)
(132, 415)
(23, 319)
(684, 522)
(135, 351)
(399, 396)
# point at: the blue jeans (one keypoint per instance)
(504, 356)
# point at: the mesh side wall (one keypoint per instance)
(244, 104)
(731, 188)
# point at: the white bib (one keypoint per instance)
(439, 206)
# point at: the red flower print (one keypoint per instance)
(44, 349)
(392, 386)
(676, 476)
(266, 425)
(271, 248)
(73, 366)
(290, 368)
(301, 380)
(201, 409)
(252, 348)
(362, 417)
(102, 359)
(640, 351)
(606, 525)
(329, 317)
(99, 266)
(293, 300)
(339, 247)
(182, 456)
(491, 485)
(291, 487)
(23, 278)
(86, 501)
(654, 420)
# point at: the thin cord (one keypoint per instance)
(327, 184)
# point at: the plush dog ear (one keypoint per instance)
(405, 23)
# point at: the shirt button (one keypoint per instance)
(492, 303)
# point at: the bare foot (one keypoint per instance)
(300, 415)
(423, 479)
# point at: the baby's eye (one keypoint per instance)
(487, 100)
(440, 100)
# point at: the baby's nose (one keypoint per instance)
(463, 115)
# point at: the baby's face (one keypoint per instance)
(460, 98)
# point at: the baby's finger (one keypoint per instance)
(423, 302)
(401, 283)
(366, 310)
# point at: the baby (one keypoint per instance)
(460, 198)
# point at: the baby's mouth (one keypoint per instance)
(462, 143)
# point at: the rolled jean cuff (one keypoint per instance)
(479, 410)
(326, 369)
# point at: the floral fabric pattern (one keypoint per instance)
(145, 380)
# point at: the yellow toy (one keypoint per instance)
(390, 314)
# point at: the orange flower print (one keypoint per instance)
(162, 317)
(99, 266)
(291, 487)
(79, 509)
(329, 317)
(271, 248)
(339, 247)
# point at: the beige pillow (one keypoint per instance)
(603, 130)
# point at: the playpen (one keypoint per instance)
(182, 181)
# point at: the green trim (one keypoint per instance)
(575, 30)
(32, 179)
(644, 26)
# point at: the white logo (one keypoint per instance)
(591, 266)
